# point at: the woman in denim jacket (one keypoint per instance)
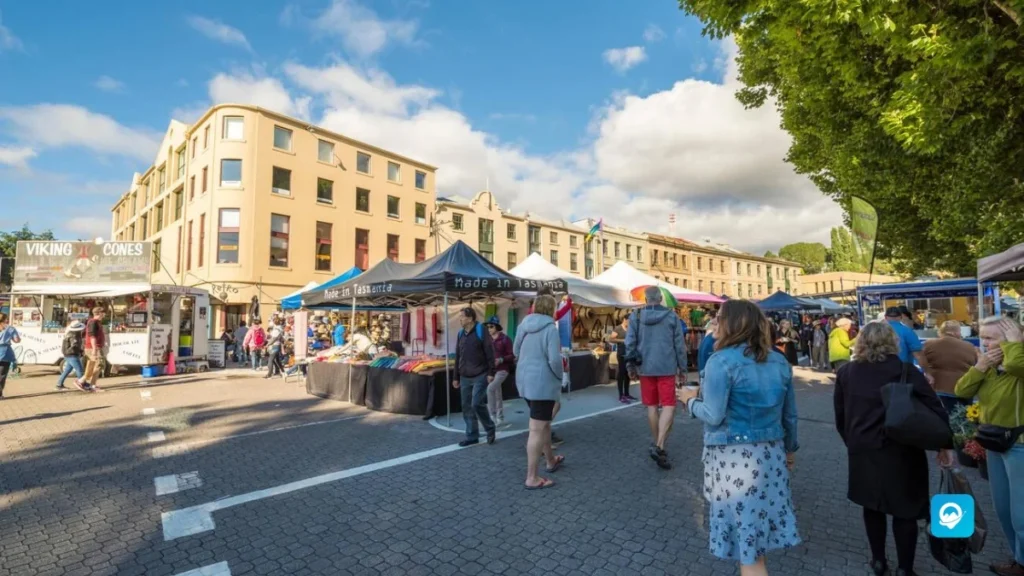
(748, 407)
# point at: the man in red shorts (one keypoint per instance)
(655, 352)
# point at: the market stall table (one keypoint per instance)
(331, 380)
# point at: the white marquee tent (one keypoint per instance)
(625, 277)
(583, 292)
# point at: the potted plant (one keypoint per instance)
(963, 420)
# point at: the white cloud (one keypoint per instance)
(219, 31)
(622, 59)
(246, 88)
(8, 41)
(65, 125)
(361, 31)
(16, 156)
(190, 113)
(88, 227)
(344, 86)
(653, 33)
(108, 84)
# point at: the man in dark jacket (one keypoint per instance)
(474, 370)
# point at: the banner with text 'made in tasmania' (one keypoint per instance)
(82, 263)
(864, 225)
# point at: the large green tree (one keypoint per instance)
(810, 255)
(915, 106)
(8, 245)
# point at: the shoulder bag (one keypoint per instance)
(998, 438)
(909, 421)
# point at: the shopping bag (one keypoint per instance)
(955, 553)
(958, 484)
(909, 421)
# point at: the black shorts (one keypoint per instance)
(542, 410)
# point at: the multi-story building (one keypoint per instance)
(617, 245)
(505, 238)
(247, 202)
(841, 284)
(719, 269)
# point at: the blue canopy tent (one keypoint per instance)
(781, 301)
(294, 302)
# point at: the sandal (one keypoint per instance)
(558, 464)
(544, 483)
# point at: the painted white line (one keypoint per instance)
(198, 519)
(218, 569)
(171, 450)
(156, 436)
(436, 423)
(148, 411)
(177, 483)
(146, 394)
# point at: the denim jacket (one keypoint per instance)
(743, 401)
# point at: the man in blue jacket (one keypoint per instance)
(474, 370)
(656, 354)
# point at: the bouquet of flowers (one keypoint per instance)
(963, 420)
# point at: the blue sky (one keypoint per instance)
(570, 109)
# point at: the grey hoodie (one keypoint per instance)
(659, 338)
(538, 354)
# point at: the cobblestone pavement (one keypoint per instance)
(78, 493)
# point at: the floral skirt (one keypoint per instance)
(747, 487)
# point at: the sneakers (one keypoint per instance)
(630, 397)
(1011, 568)
(468, 442)
(660, 458)
(491, 437)
(60, 388)
(624, 400)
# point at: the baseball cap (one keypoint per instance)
(893, 312)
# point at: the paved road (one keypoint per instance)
(78, 495)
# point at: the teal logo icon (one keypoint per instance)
(952, 516)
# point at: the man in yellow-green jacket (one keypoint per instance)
(997, 380)
(840, 343)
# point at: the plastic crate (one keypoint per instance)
(152, 371)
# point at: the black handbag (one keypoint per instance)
(997, 438)
(909, 421)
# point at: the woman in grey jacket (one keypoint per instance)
(539, 380)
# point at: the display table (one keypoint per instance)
(331, 380)
(586, 370)
(399, 392)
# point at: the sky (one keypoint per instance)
(567, 110)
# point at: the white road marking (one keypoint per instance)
(198, 519)
(146, 394)
(171, 450)
(148, 411)
(156, 436)
(177, 483)
(437, 424)
(218, 569)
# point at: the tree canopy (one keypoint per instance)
(810, 255)
(8, 245)
(914, 106)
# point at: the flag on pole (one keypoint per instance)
(864, 224)
(594, 230)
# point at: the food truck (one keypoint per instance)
(932, 302)
(57, 283)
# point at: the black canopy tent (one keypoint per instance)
(1006, 266)
(458, 272)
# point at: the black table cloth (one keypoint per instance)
(586, 370)
(331, 380)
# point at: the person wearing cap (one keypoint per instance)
(910, 344)
(504, 359)
(840, 344)
(72, 348)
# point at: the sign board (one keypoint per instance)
(159, 340)
(82, 263)
(300, 334)
(216, 353)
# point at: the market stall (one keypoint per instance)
(457, 276)
(783, 302)
(56, 283)
(931, 302)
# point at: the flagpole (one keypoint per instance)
(600, 241)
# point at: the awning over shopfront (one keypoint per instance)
(625, 277)
(583, 292)
(81, 290)
(1006, 266)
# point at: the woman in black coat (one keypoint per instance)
(885, 478)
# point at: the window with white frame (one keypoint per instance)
(282, 138)
(325, 151)
(230, 173)
(281, 182)
(394, 172)
(234, 127)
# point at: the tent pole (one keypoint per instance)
(351, 340)
(981, 310)
(447, 371)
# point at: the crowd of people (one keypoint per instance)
(747, 404)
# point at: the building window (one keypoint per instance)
(206, 137)
(758, 270)
(510, 231)
(750, 290)
(639, 253)
(145, 226)
(188, 248)
(421, 180)
(202, 238)
(739, 289)
(191, 188)
(553, 237)
(457, 222)
(181, 164)
(394, 172)
(323, 246)
(160, 216)
(325, 152)
(177, 248)
(654, 257)
(513, 260)
(362, 200)
(131, 232)
(573, 241)
(178, 202)
(362, 249)
(684, 261)
(629, 252)
(280, 227)
(234, 128)
(700, 285)
(393, 247)
(554, 257)
(748, 269)
(228, 224)
(421, 213)
(675, 260)
(156, 256)
(230, 173)
(282, 139)
(712, 286)
(394, 207)
(485, 230)
(711, 264)
(281, 182)
(686, 283)
(760, 289)
(739, 269)
(721, 266)
(195, 144)
(604, 247)
(206, 171)
(324, 191)
(573, 262)
(617, 251)
(533, 235)
(362, 162)
(421, 250)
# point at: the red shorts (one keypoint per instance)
(658, 390)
